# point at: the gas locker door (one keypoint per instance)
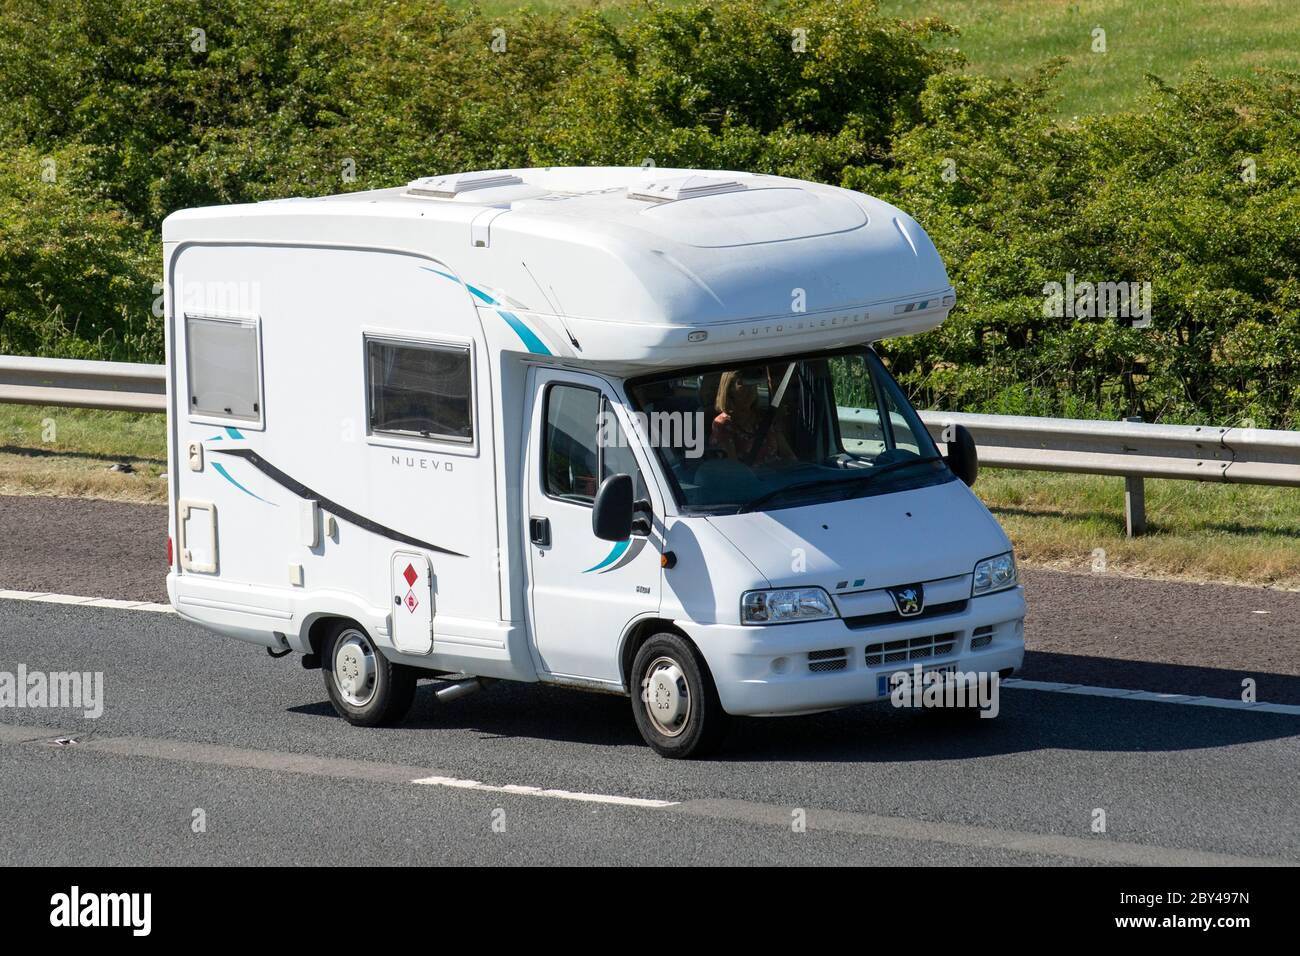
(412, 603)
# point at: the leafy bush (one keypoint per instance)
(1197, 193)
(143, 115)
(75, 271)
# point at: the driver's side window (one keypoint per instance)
(583, 444)
(569, 446)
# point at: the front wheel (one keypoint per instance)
(674, 701)
(366, 688)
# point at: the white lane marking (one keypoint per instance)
(1012, 682)
(741, 811)
(1122, 693)
(541, 792)
(81, 601)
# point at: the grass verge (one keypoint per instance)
(1195, 530)
(70, 452)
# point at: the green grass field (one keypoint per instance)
(1198, 531)
(1164, 37)
(1012, 37)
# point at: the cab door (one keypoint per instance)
(584, 591)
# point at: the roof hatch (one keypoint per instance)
(449, 187)
(684, 187)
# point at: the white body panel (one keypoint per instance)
(297, 510)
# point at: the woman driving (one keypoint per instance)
(744, 432)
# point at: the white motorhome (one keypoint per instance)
(619, 429)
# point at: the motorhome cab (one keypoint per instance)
(612, 428)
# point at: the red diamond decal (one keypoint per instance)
(411, 575)
(411, 601)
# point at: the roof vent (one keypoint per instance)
(686, 187)
(449, 187)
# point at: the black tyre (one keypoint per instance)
(674, 701)
(366, 688)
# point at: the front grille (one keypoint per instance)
(893, 617)
(982, 637)
(910, 649)
(834, 659)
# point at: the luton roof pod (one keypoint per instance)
(630, 267)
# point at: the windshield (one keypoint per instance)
(783, 433)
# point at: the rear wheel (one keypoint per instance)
(366, 688)
(674, 700)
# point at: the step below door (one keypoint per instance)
(412, 603)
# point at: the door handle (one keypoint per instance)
(539, 531)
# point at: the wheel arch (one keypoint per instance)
(637, 633)
(318, 625)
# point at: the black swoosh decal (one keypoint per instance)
(302, 491)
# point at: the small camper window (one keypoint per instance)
(224, 367)
(419, 390)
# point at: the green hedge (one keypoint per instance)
(140, 115)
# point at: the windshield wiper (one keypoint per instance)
(866, 476)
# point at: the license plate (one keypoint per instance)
(883, 682)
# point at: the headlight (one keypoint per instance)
(785, 606)
(994, 574)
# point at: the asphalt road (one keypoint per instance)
(196, 722)
(193, 721)
(1097, 629)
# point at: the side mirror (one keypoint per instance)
(962, 457)
(611, 513)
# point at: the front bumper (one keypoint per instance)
(766, 670)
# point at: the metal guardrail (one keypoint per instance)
(1252, 456)
(1194, 452)
(1132, 450)
(125, 386)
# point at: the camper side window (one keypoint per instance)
(419, 390)
(223, 367)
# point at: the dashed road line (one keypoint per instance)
(1122, 693)
(542, 792)
(850, 823)
(119, 604)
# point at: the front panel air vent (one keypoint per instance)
(834, 659)
(893, 617)
(910, 649)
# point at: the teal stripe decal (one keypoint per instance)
(220, 469)
(615, 553)
(526, 335)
